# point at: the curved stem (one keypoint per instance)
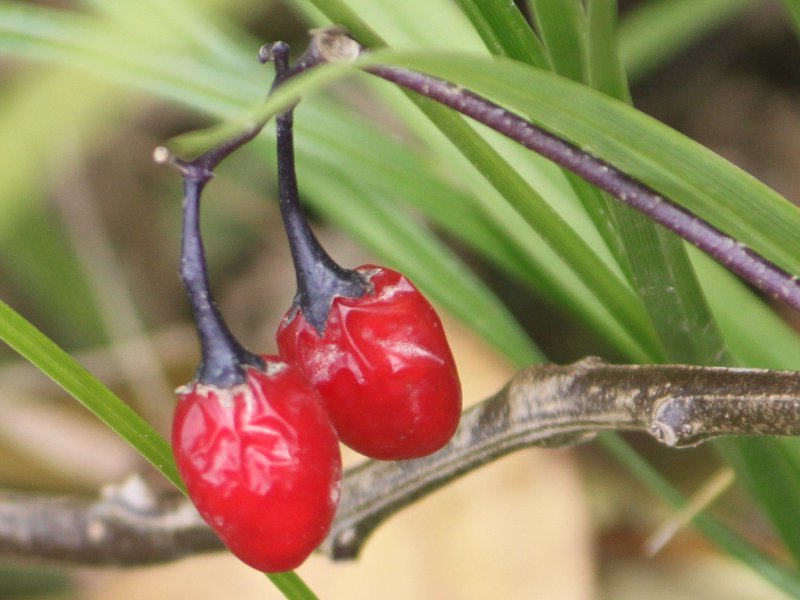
(733, 254)
(741, 260)
(335, 45)
(319, 277)
(224, 357)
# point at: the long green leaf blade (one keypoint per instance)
(656, 258)
(84, 387)
(505, 31)
(562, 24)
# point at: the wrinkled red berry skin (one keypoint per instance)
(261, 463)
(383, 367)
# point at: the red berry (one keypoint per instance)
(261, 463)
(382, 366)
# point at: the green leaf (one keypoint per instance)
(656, 259)
(562, 24)
(36, 347)
(505, 31)
(604, 66)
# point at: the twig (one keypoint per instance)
(549, 405)
(128, 525)
(543, 405)
(335, 45)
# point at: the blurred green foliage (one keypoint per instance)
(484, 227)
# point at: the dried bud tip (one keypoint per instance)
(267, 52)
(162, 155)
(334, 44)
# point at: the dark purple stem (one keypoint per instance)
(737, 257)
(319, 277)
(211, 158)
(224, 358)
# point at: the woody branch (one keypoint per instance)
(543, 405)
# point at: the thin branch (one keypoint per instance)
(128, 525)
(543, 405)
(335, 44)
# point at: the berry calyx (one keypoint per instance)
(252, 441)
(367, 339)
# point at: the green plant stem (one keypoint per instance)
(292, 586)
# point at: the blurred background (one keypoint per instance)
(89, 232)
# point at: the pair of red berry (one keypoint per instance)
(363, 358)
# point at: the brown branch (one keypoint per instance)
(543, 405)
(127, 525)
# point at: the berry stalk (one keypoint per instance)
(319, 277)
(224, 358)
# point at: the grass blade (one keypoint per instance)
(33, 345)
(505, 31)
(656, 258)
(562, 24)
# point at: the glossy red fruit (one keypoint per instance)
(261, 463)
(382, 366)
